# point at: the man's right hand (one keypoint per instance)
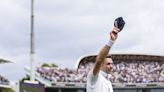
(114, 33)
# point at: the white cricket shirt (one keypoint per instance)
(98, 83)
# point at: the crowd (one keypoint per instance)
(61, 75)
(123, 72)
(4, 81)
(138, 72)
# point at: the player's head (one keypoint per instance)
(107, 65)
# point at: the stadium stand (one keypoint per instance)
(131, 73)
(4, 82)
(128, 69)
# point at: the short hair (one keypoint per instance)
(109, 56)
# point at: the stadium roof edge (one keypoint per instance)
(137, 53)
(79, 59)
(144, 54)
(5, 61)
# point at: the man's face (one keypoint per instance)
(108, 65)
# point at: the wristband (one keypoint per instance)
(110, 43)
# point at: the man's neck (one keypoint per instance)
(104, 73)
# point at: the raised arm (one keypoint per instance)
(105, 50)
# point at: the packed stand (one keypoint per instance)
(123, 72)
(61, 75)
(138, 72)
(4, 81)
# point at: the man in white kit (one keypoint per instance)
(97, 77)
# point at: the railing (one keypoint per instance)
(38, 77)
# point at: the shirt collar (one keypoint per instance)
(103, 73)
